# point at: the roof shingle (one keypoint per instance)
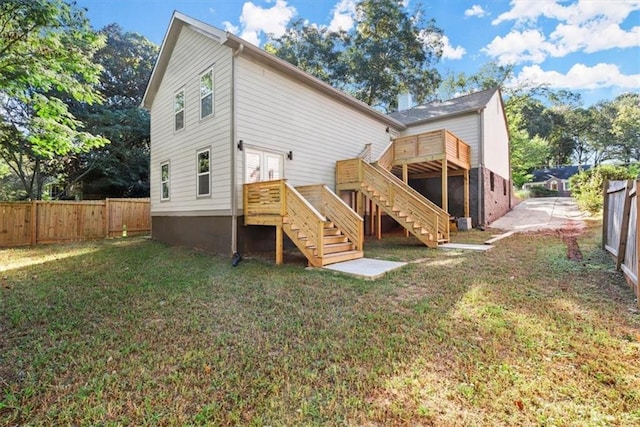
(438, 109)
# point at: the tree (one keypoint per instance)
(392, 53)
(46, 50)
(625, 126)
(316, 50)
(387, 52)
(120, 169)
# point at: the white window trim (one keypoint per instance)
(213, 96)
(199, 174)
(184, 108)
(168, 181)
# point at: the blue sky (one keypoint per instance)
(588, 46)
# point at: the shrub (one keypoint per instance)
(587, 186)
(540, 191)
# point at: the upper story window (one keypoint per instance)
(204, 172)
(164, 181)
(178, 110)
(206, 94)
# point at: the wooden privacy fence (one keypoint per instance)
(31, 223)
(620, 228)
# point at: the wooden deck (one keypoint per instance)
(436, 154)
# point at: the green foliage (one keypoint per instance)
(390, 50)
(46, 50)
(120, 169)
(540, 191)
(587, 186)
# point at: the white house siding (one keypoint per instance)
(279, 114)
(496, 139)
(464, 126)
(192, 55)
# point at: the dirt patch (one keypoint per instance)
(569, 234)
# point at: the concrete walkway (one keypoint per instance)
(544, 213)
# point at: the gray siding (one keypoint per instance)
(192, 55)
(278, 114)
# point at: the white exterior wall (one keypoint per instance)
(496, 138)
(278, 114)
(465, 127)
(192, 55)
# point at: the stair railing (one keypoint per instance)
(307, 218)
(430, 216)
(337, 211)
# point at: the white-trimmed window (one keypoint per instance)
(178, 110)
(204, 172)
(165, 188)
(566, 185)
(553, 185)
(206, 94)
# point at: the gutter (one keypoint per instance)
(480, 168)
(234, 154)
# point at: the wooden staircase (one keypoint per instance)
(324, 228)
(421, 217)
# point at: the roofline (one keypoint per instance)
(455, 114)
(245, 48)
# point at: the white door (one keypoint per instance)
(262, 166)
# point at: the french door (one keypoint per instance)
(262, 166)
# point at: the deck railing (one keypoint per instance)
(335, 210)
(429, 146)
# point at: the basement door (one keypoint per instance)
(262, 166)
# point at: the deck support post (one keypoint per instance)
(405, 179)
(378, 223)
(445, 186)
(466, 193)
(279, 245)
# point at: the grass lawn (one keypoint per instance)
(133, 332)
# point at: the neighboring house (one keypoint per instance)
(478, 119)
(235, 129)
(555, 179)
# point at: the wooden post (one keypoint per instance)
(378, 223)
(279, 245)
(445, 186)
(405, 179)
(466, 193)
(637, 185)
(34, 222)
(107, 217)
(605, 213)
(624, 229)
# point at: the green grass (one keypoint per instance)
(132, 332)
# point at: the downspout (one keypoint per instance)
(480, 169)
(234, 155)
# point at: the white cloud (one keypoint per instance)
(580, 77)
(343, 15)
(517, 47)
(228, 26)
(476, 10)
(450, 52)
(586, 26)
(256, 20)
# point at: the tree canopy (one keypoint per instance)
(387, 52)
(46, 55)
(120, 169)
